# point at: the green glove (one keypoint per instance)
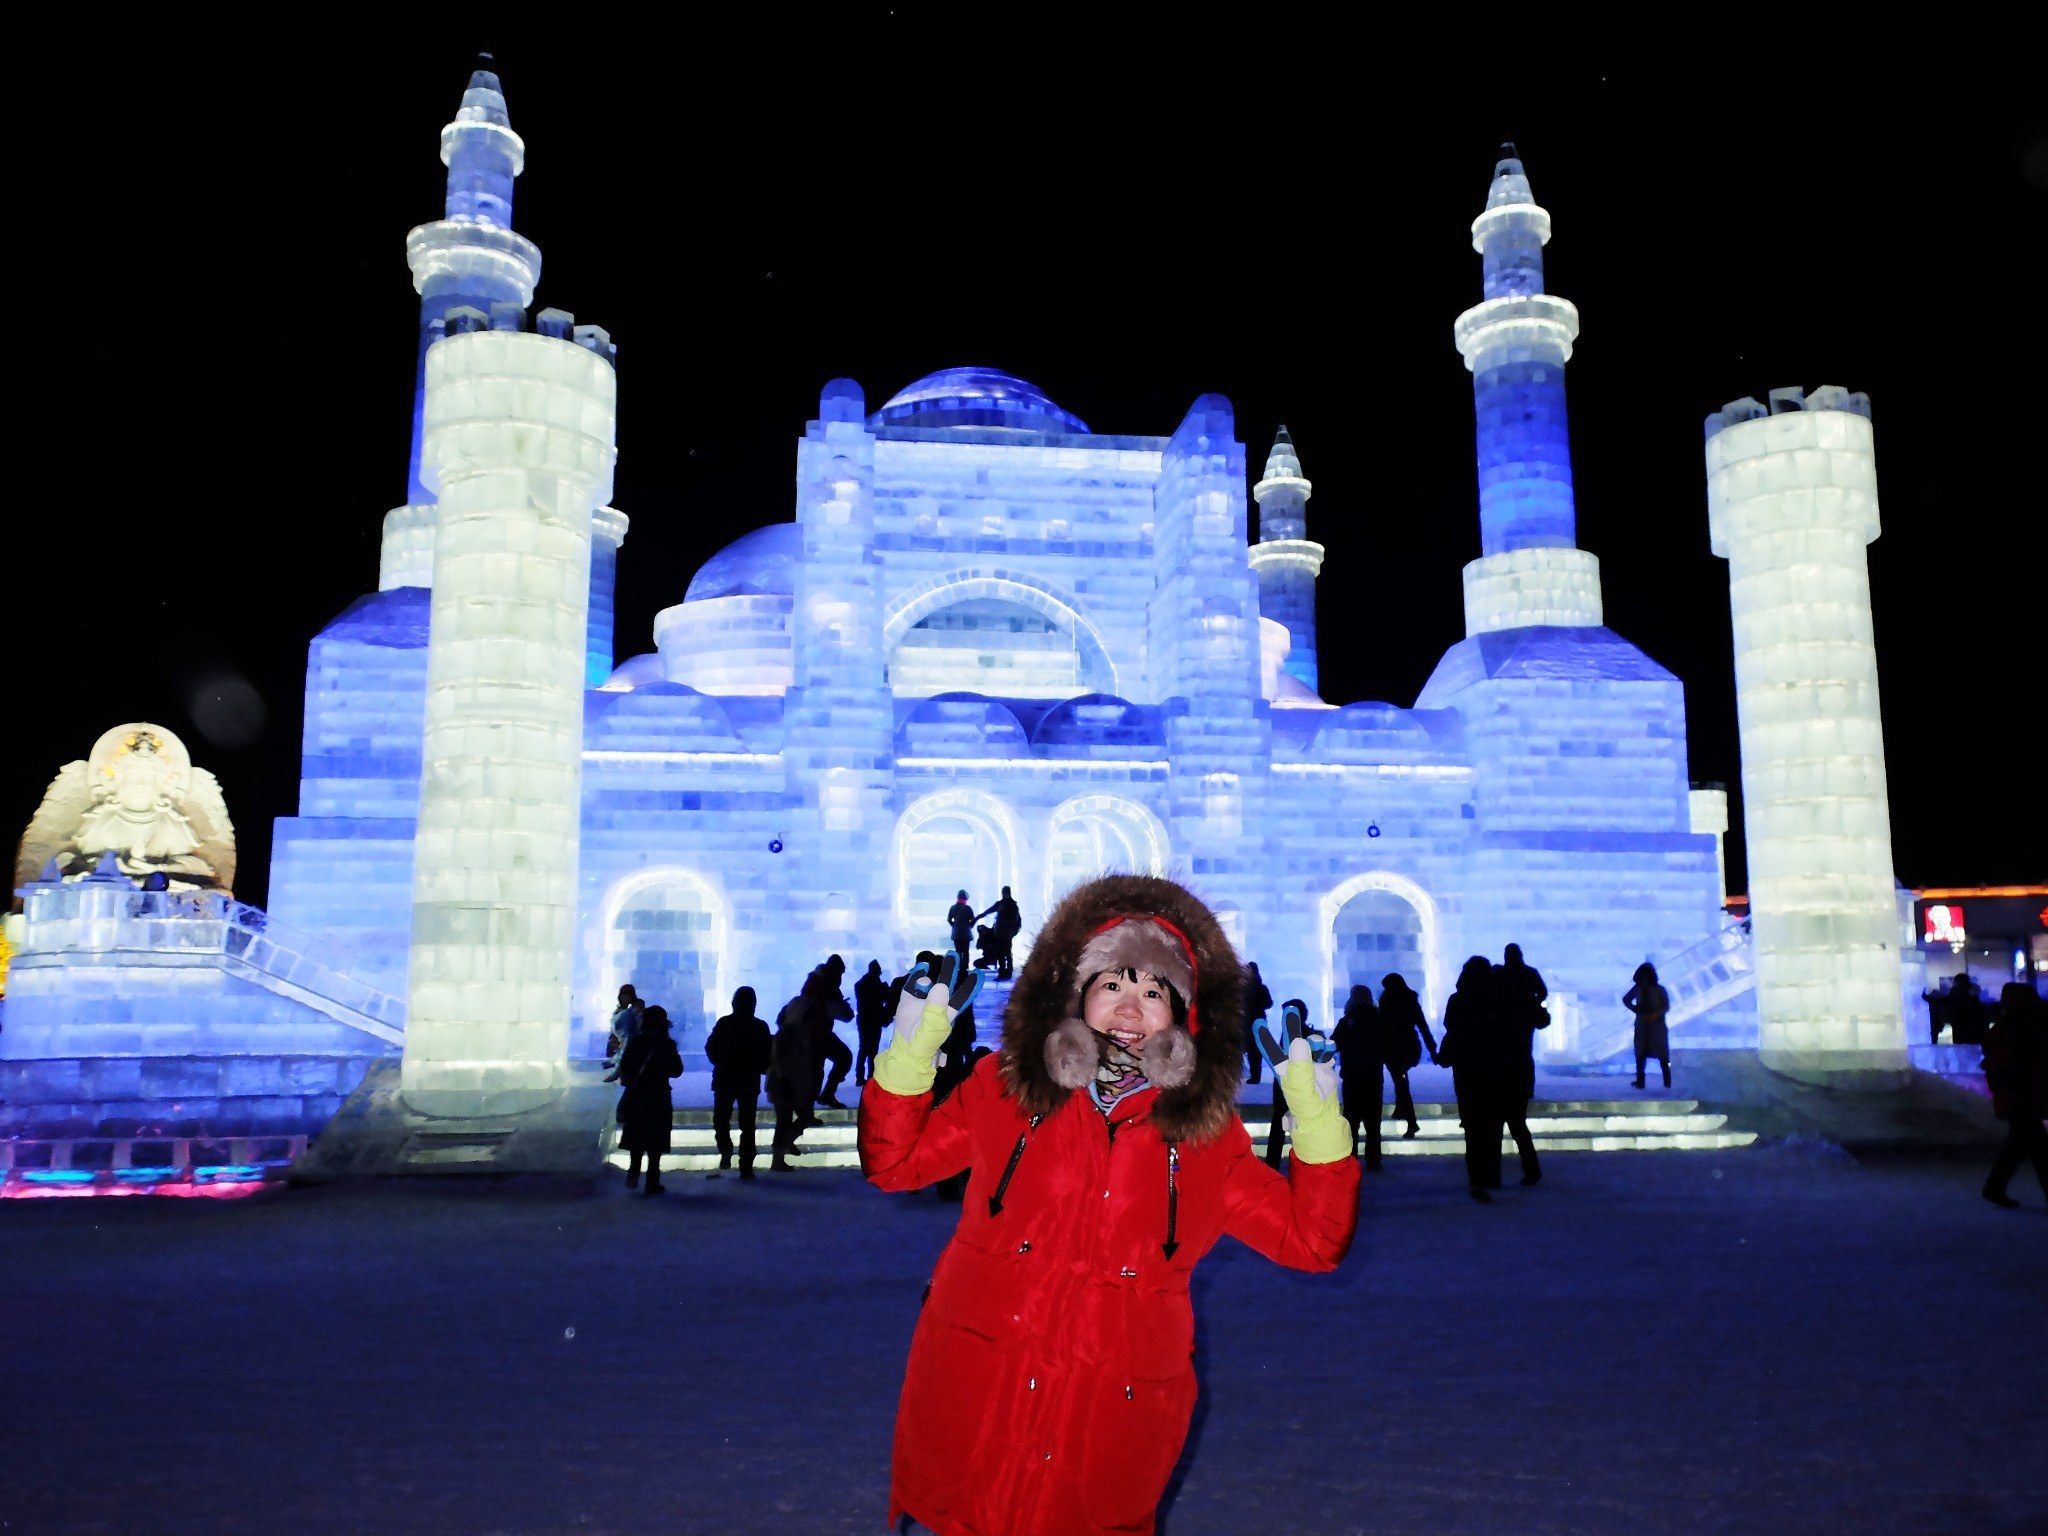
(922, 1024)
(1321, 1133)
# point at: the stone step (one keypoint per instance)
(1618, 1126)
(1260, 1112)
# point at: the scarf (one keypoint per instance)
(1116, 1079)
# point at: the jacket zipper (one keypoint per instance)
(1172, 1197)
(995, 1201)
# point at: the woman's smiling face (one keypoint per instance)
(1127, 1007)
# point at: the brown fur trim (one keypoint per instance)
(1072, 1054)
(1143, 947)
(1204, 1104)
(1169, 1058)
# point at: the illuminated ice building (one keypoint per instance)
(991, 646)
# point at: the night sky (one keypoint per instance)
(215, 331)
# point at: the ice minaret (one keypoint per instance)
(1286, 559)
(471, 259)
(518, 444)
(1516, 342)
(1791, 503)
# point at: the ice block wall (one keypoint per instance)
(519, 432)
(839, 725)
(1286, 559)
(1516, 343)
(1791, 502)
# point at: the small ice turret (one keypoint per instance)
(1516, 343)
(1791, 503)
(1286, 559)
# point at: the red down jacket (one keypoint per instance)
(1051, 1376)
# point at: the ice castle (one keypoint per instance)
(991, 647)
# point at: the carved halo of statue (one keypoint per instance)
(139, 797)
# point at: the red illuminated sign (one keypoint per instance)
(1943, 923)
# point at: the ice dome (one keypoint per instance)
(761, 562)
(979, 398)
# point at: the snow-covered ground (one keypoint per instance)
(1773, 1340)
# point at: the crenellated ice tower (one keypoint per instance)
(1516, 342)
(1792, 503)
(1286, 559)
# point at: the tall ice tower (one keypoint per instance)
(471, 259)
(1286, 559)
(1516, 342)
(1791, 503)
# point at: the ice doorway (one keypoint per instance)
(956, 840)
(666, 936)
(1376, 933)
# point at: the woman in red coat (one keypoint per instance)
(1051, 1376)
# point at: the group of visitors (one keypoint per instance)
(646, 1061)
(996, 940)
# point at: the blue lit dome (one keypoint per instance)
(759, 563)
(980, 398)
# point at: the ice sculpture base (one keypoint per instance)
(380, 1133)
(1848, 1071)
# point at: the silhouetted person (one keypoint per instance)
(871, 1014)
(2016, 1067)
(1359, 1069)
(1649, 1002)
(1471, 1048)
(1407, 1036)
(1002, 933)
(828, 1006)
(954, 1068)
(1937, 1010)
(960, 918)
(792, 1077)
(645, 1112)
(1520, 1013)
(624, 1024)
(1967, 1015)
(1258, 1002)
(740, 1048)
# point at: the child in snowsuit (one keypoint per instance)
(1051, 1376)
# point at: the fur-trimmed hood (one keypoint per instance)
(1047, 995)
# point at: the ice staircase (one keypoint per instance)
(1567, 1125)
(101, 922)
(1699, 978)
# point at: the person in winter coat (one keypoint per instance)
(1360, 1069)
(2016, 1068)
(644, 1112)
(740, 1048)
(1405, 1036)
(827, 1006)
(1649, 1002)
(1258, 1002)
(1520, 1013)
(871, 995)
(1051, 1376)
(960, 920)
(625, 1024)
(1471, 1049)
(1002, 934)
(792, 1077)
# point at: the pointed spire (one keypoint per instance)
(1283, 463)
(1510, 181)
(483, 100)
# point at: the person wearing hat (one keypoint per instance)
(1051, 1376)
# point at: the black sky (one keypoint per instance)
(218, 357)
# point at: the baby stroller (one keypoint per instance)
(991, 949)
